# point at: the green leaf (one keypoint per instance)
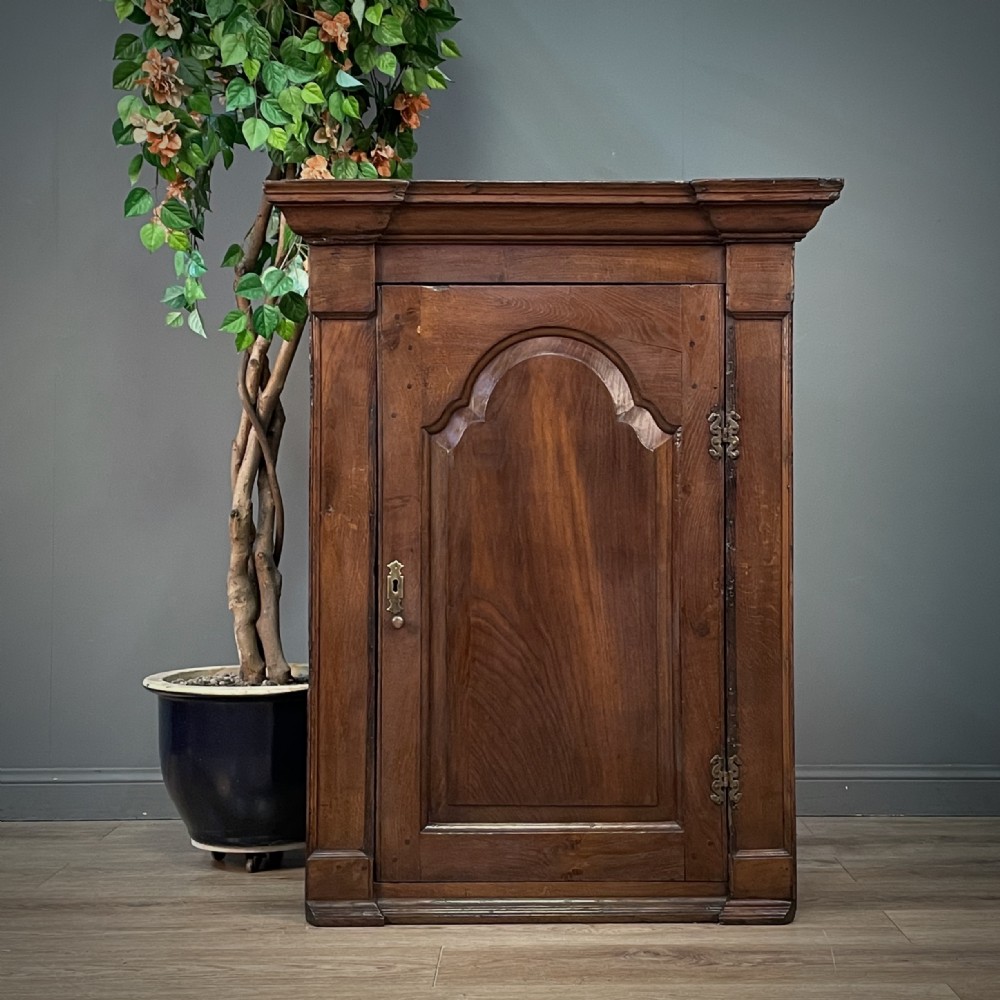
(234, 321)
(450, 49)
(196, 266)
(180, 262)
(195, 323)
(153, 235)
(233, 256)
(218, 9)
(405, 144)
(389, 31)
(174, 319)
(277, 138)
(276, 282)
(225, 127)
(266, 320)
(440, 19)
(174, 297)
(239, 94)
(287, 329)
(276, 20)
(367, 170)
(245, 339)
(123, 8)
(175, 215)
(178, 241)
(196, 155)
(193, 292)
(351, 109)
(436, 80)
(294, 307)
(124, 76)
(200, 102)
(256, 131)
(414, 80)
(275, 77)
(122, 133)
(291, 101)
(387, 63)
(374, 13)
(300, 71)
(345, 169)
(233, 50)
(128, 47)
(135, 167)
(290, 48)
(128, 106)
(270, 110)
(192, 72)
(336, 105)
(314, 47)
(312, 93)
(249, 287)
(259, 41)
(365, 56)
(345, 80)
(358, 10)
(251, 67)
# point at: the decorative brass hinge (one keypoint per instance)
(726, 778)
(724, 431)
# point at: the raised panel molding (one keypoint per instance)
(627, 410)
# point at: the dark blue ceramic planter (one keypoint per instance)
(234, 762)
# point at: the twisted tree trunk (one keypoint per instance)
(256, 540)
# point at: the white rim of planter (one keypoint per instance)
(292, 845)
(165, 683)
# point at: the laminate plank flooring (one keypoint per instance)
(890, 909)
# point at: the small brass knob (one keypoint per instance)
(397, 621)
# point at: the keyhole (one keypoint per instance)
(395, 586)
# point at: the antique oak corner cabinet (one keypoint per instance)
(550, 519)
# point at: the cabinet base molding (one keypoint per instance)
(758, 911)
(344, 913)
(564, 910)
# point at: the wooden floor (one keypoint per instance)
(907, 909)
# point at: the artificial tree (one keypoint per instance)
(327, 89)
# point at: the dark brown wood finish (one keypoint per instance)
(512, 385)
(566, 657)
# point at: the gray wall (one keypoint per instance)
(114, 431)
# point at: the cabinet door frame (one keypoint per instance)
(694, 313)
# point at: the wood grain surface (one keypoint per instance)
(560, 662)
(890, 909)
(513, 387)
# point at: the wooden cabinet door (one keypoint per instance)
(552, 698)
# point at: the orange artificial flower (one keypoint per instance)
(327, 132)
(382, 157)
(164, 20)
(161, 81)
(333, 28)
(177, 189)
(159, 134)
(316, 168)
(409, 107)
